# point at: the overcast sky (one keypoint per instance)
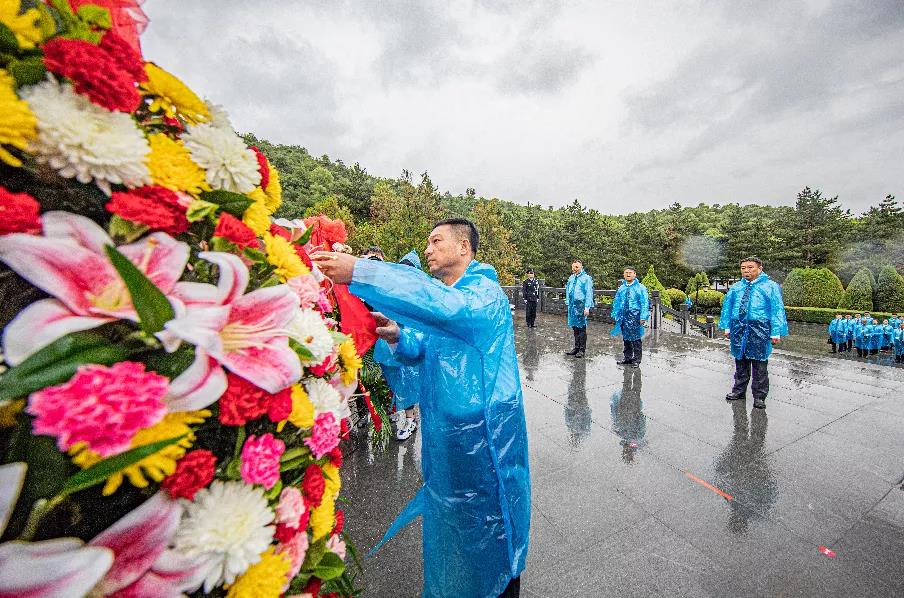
(624, 105)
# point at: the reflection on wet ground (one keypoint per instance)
(647, 482)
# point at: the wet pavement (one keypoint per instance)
(647, 482)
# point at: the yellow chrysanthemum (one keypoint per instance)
(323, 517)
(10, 409)
(171, 166)
(350, 361)
(282, 256)
(302, 416)
(257, 217)
(273, 190)
(156, 466)
(332, 481)
(172, 96)
(26, 27)
(264, 579)
(18, 125)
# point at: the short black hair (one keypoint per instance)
(631, 268)
(463, 229)
(529, 271)
(375, 249)
(754, 259)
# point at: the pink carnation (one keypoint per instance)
(291, 507)
(324, 436)
(296, 548)
(260, 460)
(307, 289)
(337, 545)
(101, 406)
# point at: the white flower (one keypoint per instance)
(229, 165)
(326, 399)
(309, 329)
(227, 525)
(218, 116)
(81, 140)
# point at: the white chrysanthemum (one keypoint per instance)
(326, 399)
(218, 116)
(228, 163)
(228, 526)
(81, 140)
(309, 329)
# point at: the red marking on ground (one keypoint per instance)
(706, 484)
(827, 551)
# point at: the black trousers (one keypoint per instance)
(580, 338)
(531, 312)
(760, 386)
(513, 590)
(633, 350)
(834, 348)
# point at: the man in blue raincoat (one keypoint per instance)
(403, 380)
(899, 343)
(836, 332)
(630, 310)
(847, 329)
(579, 302)
(753, 318)
(475, 501)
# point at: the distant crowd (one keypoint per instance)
(867, 336)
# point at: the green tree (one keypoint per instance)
(859, 293)
(889, 295)
(818, 228)
(652, 283)
(495, 246)
(812, 287)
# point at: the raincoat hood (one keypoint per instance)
(412, 258)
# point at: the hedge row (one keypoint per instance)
(820, 315)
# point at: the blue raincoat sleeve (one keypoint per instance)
(401, 367)
(728, 307)
(475, 502)
(777, 316)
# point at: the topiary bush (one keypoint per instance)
(676, 296)
(652, 283)
(859, 293)
(698, 281)
(889, 295)
(812, 287)
(709, 299)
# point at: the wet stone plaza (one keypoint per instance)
(647, 482)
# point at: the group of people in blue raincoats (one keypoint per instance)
(867, 335)
(447, 342)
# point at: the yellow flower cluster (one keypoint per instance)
(264, 579)
(350, 361)
(282, 256)
(273, 190)
(323, 517)
(257, 216)
(171, 96)
(26, 26)
(302, 416)
(171, 166)
(156, 466)
(18, 125)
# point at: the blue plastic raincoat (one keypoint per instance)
(899, 341)
(475, 501)
(848, 329)
(887, 335)
(858, 334)
(412, 259)
(578, 297)
(836, 330)
(872, 333)
(753, 312)
(895, 323)
(630, 305)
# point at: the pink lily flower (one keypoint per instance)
(245, 333)
(69, 263)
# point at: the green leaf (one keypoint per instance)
(303, 352)
(58, 361)
(329, 567)
(102, 470)
(233, 203)
(154, 310)
(255, 255)
(8, 41)
(306, 236)
(27, 71)
(95, 15)
(126, 231)
(199, 209)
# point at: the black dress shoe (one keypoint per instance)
(579, 355)
(572, 352)
(732, 397)
(624, 362)
(759, 403)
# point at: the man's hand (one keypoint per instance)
(387, 329)
(338, 267)
(727, 333)
(586, 312)
(643, 322)
(776, 340)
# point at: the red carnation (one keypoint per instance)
(280, 406)
(193, 471)
(336, 457)
(94, 72)
(312, 485)
(157, 207)
(278, 231)
(284, 533)
(326, 231)
(340, 522)
(19, 213)
(125, 56)
(235, 231)
(262, 167)
(313, 587)
(242, 401)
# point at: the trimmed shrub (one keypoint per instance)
(812, 287)
(889, 294)
(859, 293)
(709, 298)
(819, 315)
(676, 296)
(652, 283)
